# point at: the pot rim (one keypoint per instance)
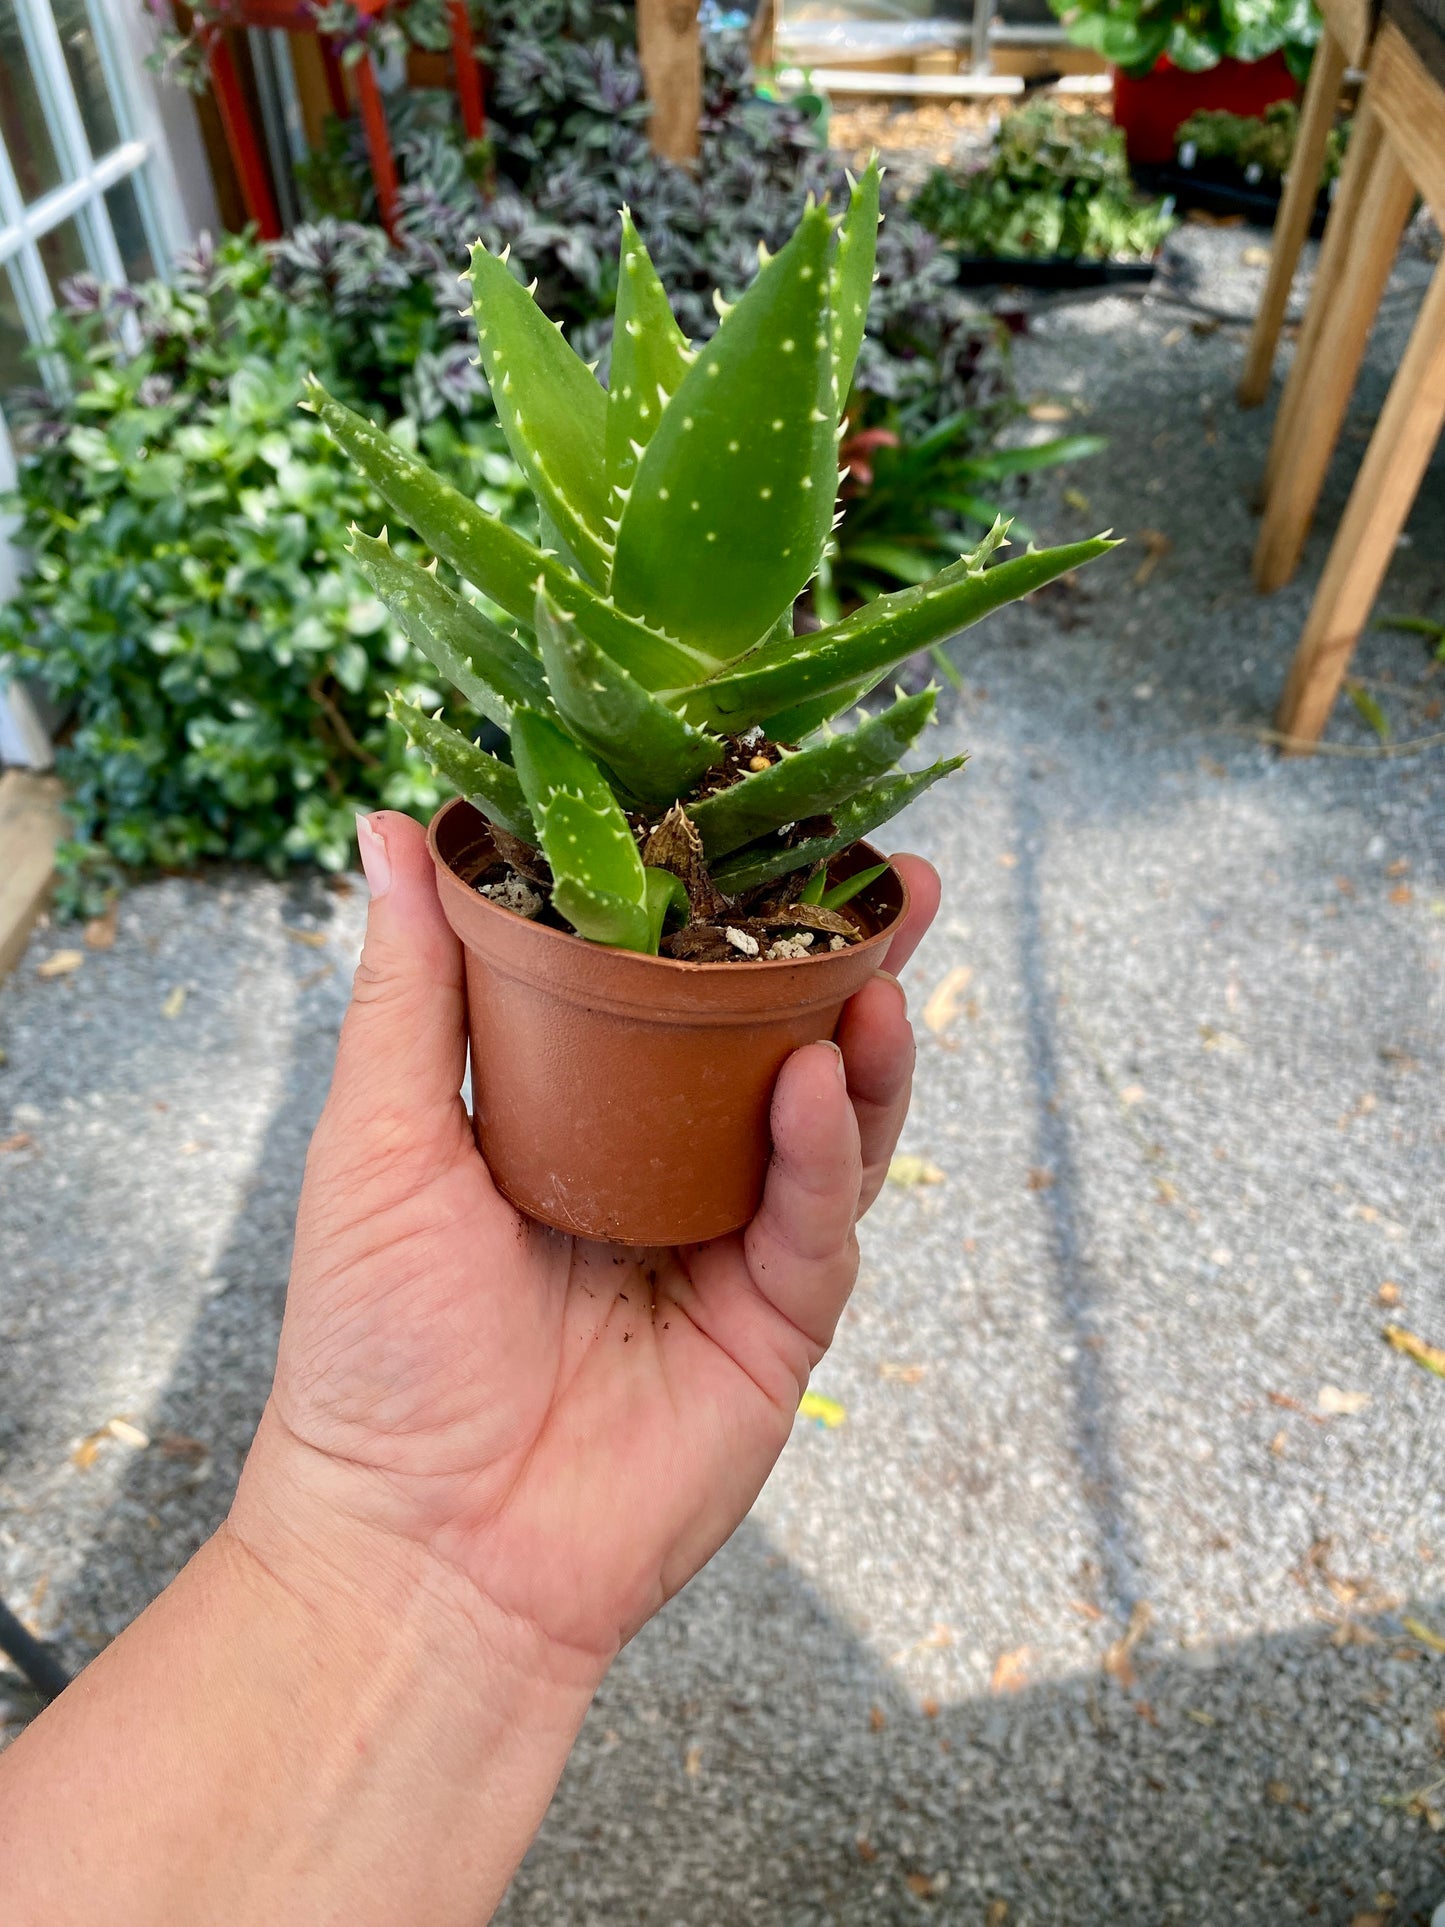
(675, 966)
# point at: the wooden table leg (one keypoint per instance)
(1296, 209)
(1390, 475)
(1323, 379)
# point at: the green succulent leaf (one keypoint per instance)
(491, 668)
(482, 779)
(502, 564)
(875, 638)
(861, 813)
(665, 893)
(732, 500)
(551, 406)
(853, 277)
(598, 883)
(650, 356)
(809, 782)
(793, 725)
(654, 754)
(851, 887)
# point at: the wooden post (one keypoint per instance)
(1296, 208)
(669, 45)
(1394, 464)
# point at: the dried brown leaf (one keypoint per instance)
(1119, 1657)
(946, 997)
(1011, 1671)
(20, 1141)
(1432, 1357)
(313, 939)
(100, 931)
(60, 964)
(907, 1169)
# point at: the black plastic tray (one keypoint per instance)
(1048, 271)
(1211, 195)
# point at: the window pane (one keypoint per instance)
(63, 253)
(86, 74)
(16, 369)
(130, 234)
(22, 120)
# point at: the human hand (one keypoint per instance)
(565, 1431)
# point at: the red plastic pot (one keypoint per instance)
(626, 1097)
(1152, 109)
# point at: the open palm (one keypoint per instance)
(576, 1427)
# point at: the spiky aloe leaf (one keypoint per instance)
(665, 893)
(874, 639)
(490, 668)
(810, 782)
(872, 805)
(850, 887)
(551, 406)
(598, 883)
(646, 745)
(483, 780)
(853, 277)
(792, 725)
(503, 564)
(734, 495)
(649, 359)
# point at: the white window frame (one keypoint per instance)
(148, 128)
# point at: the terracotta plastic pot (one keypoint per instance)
(1152, 109)
(625, 1097)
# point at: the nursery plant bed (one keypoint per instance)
(1050, 271)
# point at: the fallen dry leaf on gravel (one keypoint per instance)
(1337, 1403)
(1417, 1629)
(901, 1374)
(175, 1002)
(945, 997)
(100, 931)
(1119, 1658)
(19, 1142)
(313, 939)
(1432, 1357)
(906, 1169)
(1011, 1671)
(61, 964)
(1156, 545)
(1389, 1293)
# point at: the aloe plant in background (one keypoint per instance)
(669, 755)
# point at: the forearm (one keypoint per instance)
(244, 1755)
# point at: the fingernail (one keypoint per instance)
(374, 861)
(838, 1064)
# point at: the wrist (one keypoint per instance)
(347, 1563)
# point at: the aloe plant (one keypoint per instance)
(670, 750)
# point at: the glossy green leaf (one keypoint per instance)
(862, 813)
(809, 782)
(793, 725)
(733, 498)
(853, 277)
(647, 746)
(483, 780)
(851, 887)
(598, 883)
(502, 564)
(650, 356)
(491, 668)
(665, 893)
(551, 406)
(875, 638)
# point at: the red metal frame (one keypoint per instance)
(240, 137)
(299, 16)
(468, 73)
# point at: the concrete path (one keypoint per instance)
(1110, 1603)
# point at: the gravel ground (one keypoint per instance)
(1089, 1613)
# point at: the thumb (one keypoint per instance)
(404, 1042)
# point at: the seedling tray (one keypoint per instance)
(1049, 271)
(1222, 193)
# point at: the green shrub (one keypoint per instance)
(1056, 183)
(1192, 34)
(191, 597)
